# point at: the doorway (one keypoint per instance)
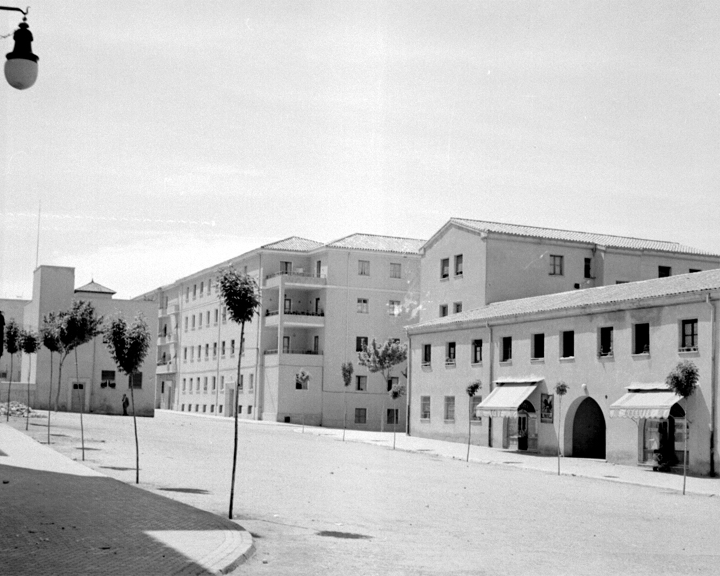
(77, 399)
(588, 431)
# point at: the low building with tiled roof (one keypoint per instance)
(470, 263)
(613, 346)
(377, 243)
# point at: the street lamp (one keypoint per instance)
(21, 67)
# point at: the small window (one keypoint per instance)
(214, 349)
(556, 265)
(392, 415)
(538, 346)
(214, 382)
(425, 407)
(194, 291)
(458, 265)
(202, 290)
(361, 383)
(392, 381)
(187, 293)
(395, 270)
(220, 409)
(222, 383)
(445, 268)
(363, 268)
(606, 341)
(205, 383)
(641, 338)
(394, 308)
(240, 408)
(457, 307)
(362, 306)
(212, 408)
(232, 348)
(360, 343)
(476, 351)
(475, 402)
(204, 405)
(186, 323)
(193, 321)
(207, 351)
(182, 408)
(197, 383)
(427, 354)
(207, 318)
(664, 271)
(136, 380)
(443, 310)
(622, 281)
(506, 349)
(588, 268)
(223, 314)
(450, 354)
(217, 315)
(107, 379)
(184, 384)
(693, 270)
(689, 338)
(242, 382)
(250, 409)
(449, 413)
(222, 349)
(360, 415)
(568, 344)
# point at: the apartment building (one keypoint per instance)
(320, 303)
(612, 345)
(98, 385)
(470, 263)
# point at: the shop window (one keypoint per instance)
(568, 344)
(689, 335)
(641, 338)
(538, 347)
(360, 415)
(506, 349)
(606, 341)
(476, 351)
(425, 407)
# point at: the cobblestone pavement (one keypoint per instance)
(59, 517)
(317, 505)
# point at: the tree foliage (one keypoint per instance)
(30, 341)
(49, 333)
(347, 373)
(382, 358)
(683, 378)
(12, 337)
(473, 388)
(78, 326)
(561, 388)
(240, 294)
(397, 391)
(128, 345)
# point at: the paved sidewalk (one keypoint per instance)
(599, 469)
(59, 517)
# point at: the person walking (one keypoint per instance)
(125, 404)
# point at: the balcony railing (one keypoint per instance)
(295, 313)
(292, 351)
(294, 273)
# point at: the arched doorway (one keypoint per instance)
(588, 431)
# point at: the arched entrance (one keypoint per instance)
(588, 431)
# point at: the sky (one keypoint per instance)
(164, 137)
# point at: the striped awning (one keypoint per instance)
(645, 401)
(505, 399)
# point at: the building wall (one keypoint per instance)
(12, 310)
(603, 379)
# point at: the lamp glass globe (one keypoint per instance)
(21, 73)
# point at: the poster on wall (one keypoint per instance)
(546, 408)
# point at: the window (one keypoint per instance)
(506, 349)
(450, 354)
(286, 267)
(200, 320)
(205, 383)
(360, 343)
(217, 315)
(444, 268)
(392, 415)
(457, 307)
(107, 378)
(187, 293)
(194, 291)
(360, 415)
(641, 338)
(214, 349)
(588, 268)
(197, 384)
(242, 382)
(392, 381)
(476, 351)
(220, 409)
(443, 310)
(207, 351)
(689, 337)
(606, 341)
(202, 290)
(300, 383)
(186, 323)
(425, 407)
(538, 347)
(242, 345)
(250, 409)
(363, 268)
(395, 270)
(664, 271)
(475, 402)
(184, 384)
(362, 305)
(394, 307)
(556, 265)
(693, 270)
(622, 281)
(222, 349)
(207, 318)
(212, 408)
(361, 383)
(214, 383)
(182, 408)
(232, 348)
(318, 268)
(193, 321)
(252, 378)
(449, 413)
(222, 383)
(427, 355)
(209, 286)
(458, 265)
(224, 314)
(240, 408)
(568, 344)
(136, 380)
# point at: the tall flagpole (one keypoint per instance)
(37, 245)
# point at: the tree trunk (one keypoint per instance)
(57, 394)
(82, 402)
(345, 417)
(137, 445)
(559, 428)
(467, 458)
(235, 410)
(685, 456)
(9, 386)
(27, 412)
(50, 395)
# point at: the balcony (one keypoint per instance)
(166, 367)
(294, 279)
(173, 307)
(306, 358)
(296, 318)
(165, 339)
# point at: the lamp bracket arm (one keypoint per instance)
(13, 9)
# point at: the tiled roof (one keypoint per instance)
(294, 243)
(585, 237)
(93, 286)
(587, 298)
(378, 243)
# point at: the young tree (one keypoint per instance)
(560, 390)
(12, 345)
(347, 374)
(301, 379)
(683, 381)
(128, 346)
(241, 296)
(396, 392)
(471, 391)
(30, 344)
(382, 358)
(78, 326)
(51, 341)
